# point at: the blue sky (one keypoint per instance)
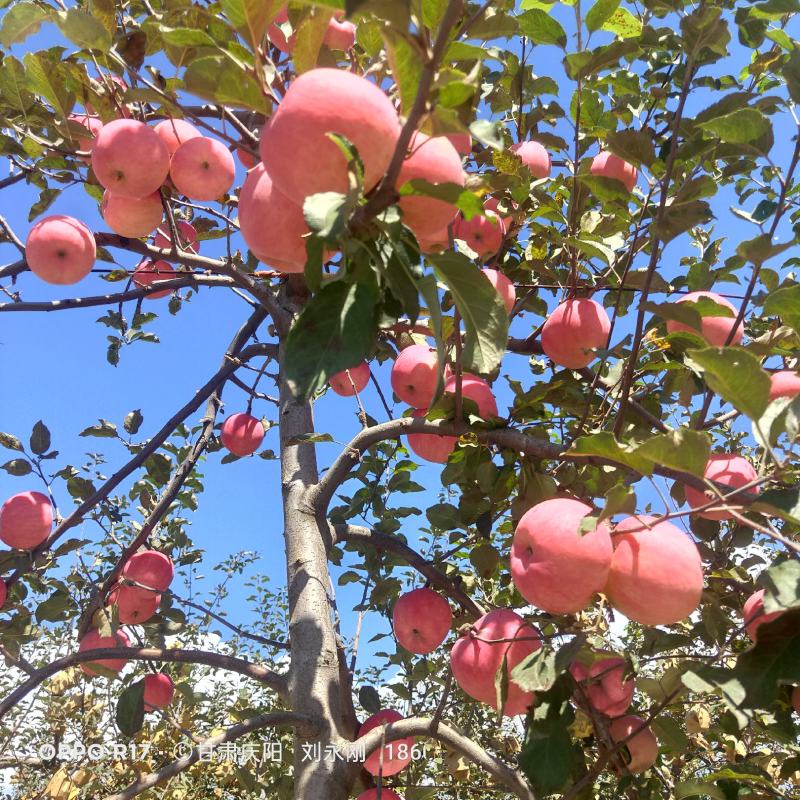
(54, 368)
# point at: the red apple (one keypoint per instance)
(3, 592)
(349, 381)
(202, 169)
(247, 159)
(151, 569)
(482, 234)
(242, 434)
(134, 605)
(555, 565)
(174, 132)
(25, 520)
(435, 160)
(431, 446)
(295, 147)
(415, 374)
(149, 272)
(93, 640)
(477, 657)
(60, 250)
(754, 616)
(421, 620)
(573, 331)
(785, 383)
(605, 686)
(436, 243)
(505, 288)
(187, 237)
(534, 157)
(642, 747)
(133, 217)
(476, 389)
(729, 470)
(656, 575)
(158, 691)
(130, 158)
(276, 35)
(396, 754)
(462, 142)
(715, 330)
(341, 35)
(607, 165)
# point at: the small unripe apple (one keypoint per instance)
(505, 288)
(242, 434)
(150, 568)
(158, 691)
(133, 217)
(187, 237)
(754, 616)
(730, 470)
(60, 250)
(149, 272)
(295, 147)
(715, 330)
(396, 754)
(785, 383)
(535, 157)
(202, 169)
(482, 234)
(474, 388)
(134, 605)
(573, 331)
(605, 686)
(349, 381)
(25, 520)
(93, 640)
(421, 620)
(415, 374)
(554, 565)
(607, 165)
(656, 575)
(477, 657)
(431, 446)
(643, 746)
(93, 125)
(130, 158)
(174, 132)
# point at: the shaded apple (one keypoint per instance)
(605, 686)
(187, 237)
(431, 446)
(482, 234)
(93, 125)
(505, 288)
(535, 157)
(607, 165)
(474, 388)
(785, 383)
(715, 330)
(135, 605)
(149, 272)
(754, 616)
(93, 640)
(642, 747)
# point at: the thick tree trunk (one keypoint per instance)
(315, 684)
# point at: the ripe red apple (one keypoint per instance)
(25, 520)
(607, 165)
(242, 434)
(435, 160)
(174, 132)
(476, 389)
(247, 159)
(415, 375)
(431, 446)
(507, 218)
(130, 158)
(436, 243)
(187, 237)
(295, 148)
(421, 620)
(534, 157)
(149, 272)
(60, 250)
(340, 35)
(482, 234)
(573, 331)
(3, 592)
(93, 125)
(158, 691)
(553, 564)
(276, 35)
(715, 330)
(349, 381)
(477, 657)
(729, 470)
(133, 217)
(134, 605)
(372, 794)
(462, 142)
(150, 568)
(607, 689)
(272, 225)
(643, 747)
(202, 169)
(754, 616)
(785, 383)
(396, 754)
(505, 288)
(93, 640)
(656, 575)
(796, 699)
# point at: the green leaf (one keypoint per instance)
(186, 37)
(633, 146)
(761, 249)
(782, 584)
(791, 74)
(463, 199)
(18, 467)
(540, 670)
(220, 79)
(84, 30)
(739, 127)
(10, 442)
(488, 132)
(599, 13)
(105, 430)
(13, 85)
(682, 449)
(623, 24)
(406, 59)
(735, 375)
(679, 218)
(133, 421)
(130, 709)
(335, 330)
(326, 214)
(56, 608)
(686, 789)
(40, 438)
(670, 734)
(308, 39)
(604, 445)
(429, 291)
(251, 17)
(21, 21)
(541, 28)
(370, 699)
(46, 78)
(481, 308)
(590, 62)
(785, 303)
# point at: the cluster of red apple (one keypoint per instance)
(26, 520)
